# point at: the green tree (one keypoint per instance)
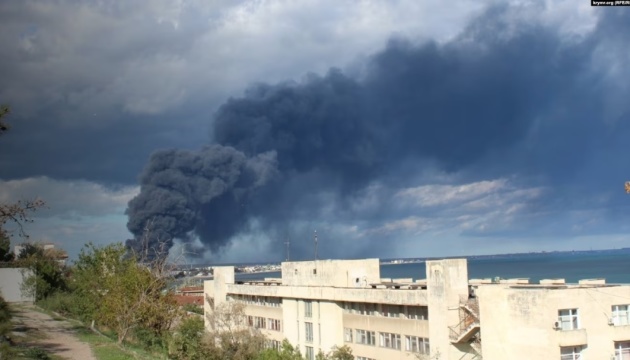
(229, 337)
(187, 342)
(337, 353)
(5, 247)
(5, 328)
(286, 352)
(123, 293)
(48, 275)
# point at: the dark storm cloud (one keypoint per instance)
(505, 98)
(107, 153)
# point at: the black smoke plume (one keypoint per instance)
(482, 98)
(182, 190)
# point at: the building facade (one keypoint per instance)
(318, 305)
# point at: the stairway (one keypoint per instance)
(467, 331)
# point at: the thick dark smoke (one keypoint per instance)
(470, 101)
(183, 190)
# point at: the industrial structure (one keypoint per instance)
(320, 304)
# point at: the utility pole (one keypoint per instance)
(316, 245)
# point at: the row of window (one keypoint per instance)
(259, 322)
(387, 340)
(622, 351)
(274, 344)
(258, 300)
(569, 319)
(387, 310)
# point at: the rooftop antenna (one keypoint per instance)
(287, 243)
(316, 245)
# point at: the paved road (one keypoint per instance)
(54, 336)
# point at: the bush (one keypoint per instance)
(5, 328)
(149, 340)
(68, 304)
(187, 341)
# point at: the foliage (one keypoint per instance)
(47, 276)
(286, 352)
(105, 348)
(187, 341)
(5, 247)
(229, 337)
(5, 329)
(62, 302)
(196, 309)
(123, 293)
(337, 353)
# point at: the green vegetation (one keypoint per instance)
(105, 348)
(5, 328)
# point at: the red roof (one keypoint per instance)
(184, 300)
(191, 289)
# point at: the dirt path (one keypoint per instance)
(54, 336)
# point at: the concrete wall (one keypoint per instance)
(520, 320)
(447, 284)
(11, 280)
(335, 273)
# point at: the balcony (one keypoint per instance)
(571, 337)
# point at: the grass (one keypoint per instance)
(105, 348)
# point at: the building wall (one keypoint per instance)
(520, 320)
(447, 285)
(516, 319)
(334, 273)
(11, 280)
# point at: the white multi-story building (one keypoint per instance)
(317, 305)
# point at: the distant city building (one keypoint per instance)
(317, 305)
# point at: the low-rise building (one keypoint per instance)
(317, 305)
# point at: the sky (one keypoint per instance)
(391, 128)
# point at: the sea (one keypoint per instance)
(612, 265)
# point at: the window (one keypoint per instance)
(571, 353)
(620, 315)
(363, 358)
(310, 354)
(622, 350)
(308, 331)
(392, 311)
(568, 319)
(274, 344)
(389, 340)
(417, 313)
(273, 324)
(365, 337)
(347, 335)
(308, 309)
(417, 344)
(260, 322)
(365, 309)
